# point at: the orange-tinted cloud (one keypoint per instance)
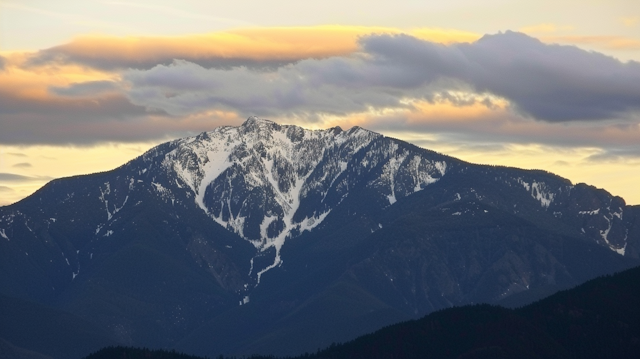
(379, 81)
(258, 46)
(34, 82)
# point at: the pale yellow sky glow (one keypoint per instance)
(39, 164)
(86, 86)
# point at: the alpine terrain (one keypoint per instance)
(274, 239)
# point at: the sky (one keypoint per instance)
(87, 85)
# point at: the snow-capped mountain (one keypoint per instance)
(267, 182)
(259, 233)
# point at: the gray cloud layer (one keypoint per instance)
(11, 177)
(89, 88)
(546, 85)
(546, 82)
(63, 54)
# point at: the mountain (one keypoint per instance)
(598, 319)
(267, 238)
(46, 330)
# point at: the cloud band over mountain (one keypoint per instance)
(507, 84)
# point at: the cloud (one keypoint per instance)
(3, 62)
(562, 163)
(77, 120)
(15, 178)
(4, 189)
(507, 87)
(546, 82)
(551, 82)
(601, 41)
(630, 155)
(22, 165)
(255, 48)
(88, 88)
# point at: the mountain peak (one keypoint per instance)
(253, 121)
(268, 182)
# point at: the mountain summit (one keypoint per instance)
(267, 182)
(268, 238)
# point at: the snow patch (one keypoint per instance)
(605, 233)
(310, 223)
(390, 170)
(441, 166)
(266, 222)
(617, 214)
(103, 198)
(622, 250)
(540, 191)
(524, 184)
(3, 234)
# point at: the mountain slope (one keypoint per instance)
(250, 233)
(598, 319)
(47, 331)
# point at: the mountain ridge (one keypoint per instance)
(265, 226)
(587, 321)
